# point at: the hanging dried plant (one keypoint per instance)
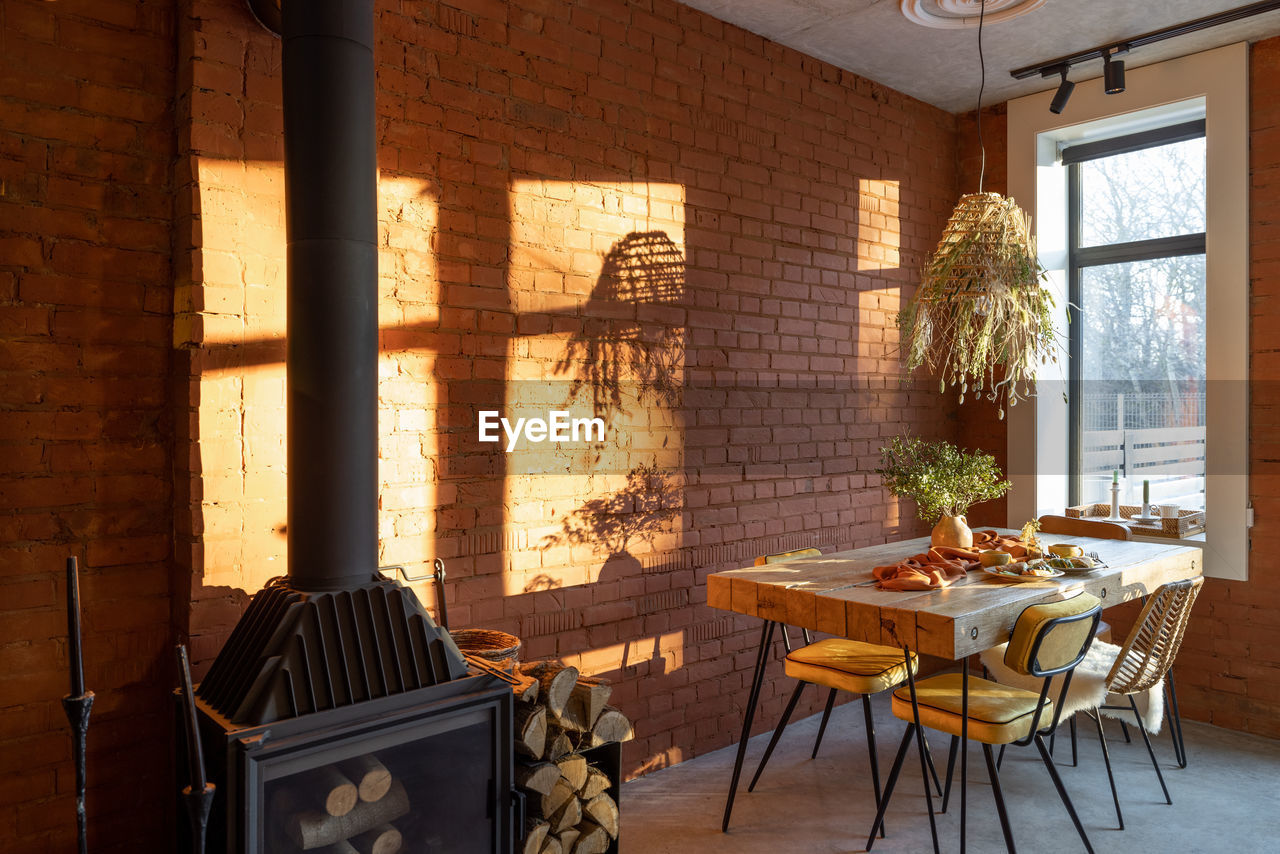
(980, 320)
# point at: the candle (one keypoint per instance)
(1146, 494)
(73, 628)
(1115, 475)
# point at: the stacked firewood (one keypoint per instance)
(345, 808)
(559, 714)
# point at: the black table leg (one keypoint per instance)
(757, 681)
(924, 762)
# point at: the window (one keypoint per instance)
(1136, 283)
(1044, 464)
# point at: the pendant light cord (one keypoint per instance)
(982, 63)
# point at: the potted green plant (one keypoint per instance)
(943, 481)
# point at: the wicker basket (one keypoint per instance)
(500, 648)
(1189, 522)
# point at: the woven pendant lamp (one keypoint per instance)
(980, 319)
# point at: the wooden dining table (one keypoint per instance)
(836, 594)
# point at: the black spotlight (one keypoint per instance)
(1060, 98)
(1112, 75)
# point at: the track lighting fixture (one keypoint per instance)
(1060, 98)
(1112, 75)
(1113, 69)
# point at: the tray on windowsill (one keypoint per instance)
(1189, 522)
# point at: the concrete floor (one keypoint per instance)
(1224, 801)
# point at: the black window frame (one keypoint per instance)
(1080, 257)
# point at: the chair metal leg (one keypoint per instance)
(871, 752)
(1062, 792)
(822, 728)
(999, 795)
(1000, 758)
(933, 772)
(1075, 759)
(1147, 741)
(1175, 729)
(925, 763)
(1124, 729)
(777, 733)
(762, 657)
(951, 767)
(964, 749)
(1106, 759)
(878, 824)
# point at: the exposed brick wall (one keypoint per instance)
(629, 210)
(86, 144)
(1229, 667)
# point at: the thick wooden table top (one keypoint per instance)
(836, 594)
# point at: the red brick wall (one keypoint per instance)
(520, 145)
(1229, 667)
(86, 144)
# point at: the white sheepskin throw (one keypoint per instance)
(1088, 688)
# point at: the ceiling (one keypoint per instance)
(940, 66)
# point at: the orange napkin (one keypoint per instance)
(942, 566)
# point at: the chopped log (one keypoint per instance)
(531, 729)
(593, 838)
(383, 839)
(535, 833)
(552, 802)
(537, 777)
(597, 782)
(603, 810)
(574, 769)
(558, 746)
(371, 777)
(526, 690)
(314, 829)
(569, 814)
(612, 725)
(571, 718)
(556, 681)
(552, 846)
(588, 699)
(568, 838)
(333, 791)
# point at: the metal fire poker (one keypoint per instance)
(79, 702)
(198, 795)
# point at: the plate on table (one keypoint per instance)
(1017, 577)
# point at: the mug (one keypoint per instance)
(1066, 550)
(1168, 511)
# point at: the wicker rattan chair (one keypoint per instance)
(1145, 659)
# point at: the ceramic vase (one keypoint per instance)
(953, 532)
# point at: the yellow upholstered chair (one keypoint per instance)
(841, 665)
(1099, 529)
(1048, 639)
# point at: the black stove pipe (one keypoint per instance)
(331, 215)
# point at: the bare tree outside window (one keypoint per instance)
(1141, 349)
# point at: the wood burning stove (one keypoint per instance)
(339, 717)
(423, 771)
